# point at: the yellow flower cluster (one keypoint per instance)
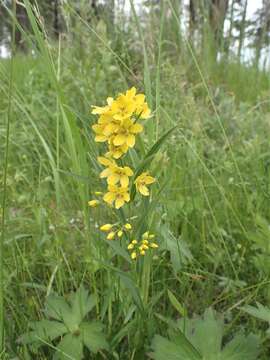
(114, 230)
(139, 248)
(118, 126)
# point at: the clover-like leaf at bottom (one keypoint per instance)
(93, 337)
(165, 349)
(201, 338)
(69, 348)
(43, 331)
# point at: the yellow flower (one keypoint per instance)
(111, 235)
(117, 195)
(99, 130)
(106, 227)
(93, 203)
(141, 107)
(109, 124)
(123, 107)
(133, 255)
(134, 242)
(115, 173)
(130, 246)
(116, 151)
(143, 111)
(128, 226)
(153, 245)
(142, 252)
(99, 110)
(142, 181)
(120, 233)
(126, 133)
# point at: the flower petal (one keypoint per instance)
(109, 197)
(113, 179)
(120, 139)
(124, 181)
(119, 202)
(105, 173)
(143, 190)
(128, 171)
(130, 140)
(136, 128)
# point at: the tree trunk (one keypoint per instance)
(22, 19)
(218, 10)
(56, 27)
(242, 30)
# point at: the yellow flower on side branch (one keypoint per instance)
(93, 203)
(142, 181)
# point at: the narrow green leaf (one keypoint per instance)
(175, 303)
(149, 157)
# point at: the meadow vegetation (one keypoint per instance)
(69, 293)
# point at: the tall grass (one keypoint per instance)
(211, 210)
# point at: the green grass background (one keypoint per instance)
(212, 212)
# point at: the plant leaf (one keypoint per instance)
(261, 312)
(44, 329)
(165, 349)
(149, 157)
(92, 336)
(56, 307)
(69, 348)
(82, 303)
(242, 347)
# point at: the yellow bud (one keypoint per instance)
(120, 233)
(151, 236)
(106, 227)
(142, 252)
(145, 242)
(134, 242)
(133, 255)
(111, 235)
(93, 203)
(146, 235)
(128, 226)
(98, 193)
(154, 245)
(130, 247)
(145, 247)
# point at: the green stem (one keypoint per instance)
(5, 184)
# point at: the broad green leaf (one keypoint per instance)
(261, 312)
(43, 330)
(69, 348)
(197, 328)
(241, 347)
(82, 303)
(56, 307)
(202, 337)
(168, 350)
(92, 336)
